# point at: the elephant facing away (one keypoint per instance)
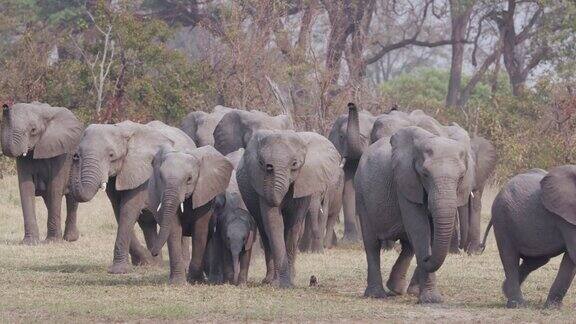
(237, 127)
(43, 138)
(181, 196)
(200, 125)
(534, 218)
(118, 158)
(279, 173)
(408, 187)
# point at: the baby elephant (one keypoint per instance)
(534, 218)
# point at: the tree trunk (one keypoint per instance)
(460, 16)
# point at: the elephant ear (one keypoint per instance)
(485, 158)
(457, 133)
(559, 192)
(321, 168)
(61, 135)
(403, 159)
(213, 175)
(249, 240)
(143, 144)
(227, 134)
(336, 135)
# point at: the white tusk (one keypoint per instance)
(342, 162)
(25, 153)
(104, 185)
(182, 207)
(471, 194)
(159, 206)
(321, 210)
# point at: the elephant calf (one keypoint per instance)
(534, 218)
(43, 138)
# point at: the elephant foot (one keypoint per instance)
(351, 237)
(375, 292)
(283, 283)
(147, 260)
(475, 249)
(30, 240)
(269, 279)
(119, 268)
(177, 280)
(515, 303)
(396, 287)
(413, 290)
(553, 304)
(454, 250)
(71, 234)
(53, 239)
(196, 278)
(430, 297)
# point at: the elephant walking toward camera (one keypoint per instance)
(534, 219)
(118, 158)
(43, 138)
(277, 176)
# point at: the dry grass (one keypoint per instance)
(68, 282)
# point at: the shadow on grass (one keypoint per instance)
(67, 268)
(110, 280)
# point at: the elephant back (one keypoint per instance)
(181, 141)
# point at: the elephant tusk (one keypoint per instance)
(471, 194)
(103, 186)
(159, 206)
(342, 162)
(25, 153)
(182, 207)
(321, 210)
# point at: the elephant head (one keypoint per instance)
(350, 134)
(236, 128)
(201, 174)
(48, 131)
(124, 150)
(436, 172)
(280, 160)
(200, 125)
(559, 192)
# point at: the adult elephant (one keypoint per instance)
(118, 158)
(200, 125)
(279, 173)
(189, 179)
(351, 149)
(408, 188)
(237, 127)
(42, 138)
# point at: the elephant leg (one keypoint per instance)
(306, 237)
(228, 267)
(351, 232)
(270, 268)
(397, 282)
(510, 262)
(529, 265)
(475, 231)
(177, 265)
(274, 226)
(53, 201)
(374, 288)
(150, 230)
(199, 239)
(316, 244)
(297, 212)
(215, 259)
(244, 267)
(562, 282)
(414, 287)
(417, 226)
(330, 237)
(71, 232)
(464, 226)
(27, 194)
(186, 243)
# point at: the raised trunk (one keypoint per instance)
(443, 207)
(276, 186)
(86, 177)
(168, 211)
(354, 146)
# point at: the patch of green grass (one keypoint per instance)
(68, 282)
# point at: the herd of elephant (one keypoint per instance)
(227, 177)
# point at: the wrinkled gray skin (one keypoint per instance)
(534, 218)
(408, 187)
(181, 195)
(42, 139)
(119, 158)
(321, 218)
(200, 125)
(234, 234)
(279, 173)
(237, 127)
(351, 152)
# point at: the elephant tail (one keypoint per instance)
(483, 244)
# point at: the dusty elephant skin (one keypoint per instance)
(181, 195)
(277, 176)
(200, 125)
(534, 218)
(408, 187)
(236, 128)
(118, 158)
(43, 138)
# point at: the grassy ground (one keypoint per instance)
(68, 282)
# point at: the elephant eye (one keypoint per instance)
(295, 164)
(34, 130)
(189, 179)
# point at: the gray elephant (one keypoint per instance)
(534, 219)
(279, 173)
(408, 188)
(118, 158)
(200, 125)
(237, 127)
(43, 138)
(181, 196)
(318, 232)
(351, 151)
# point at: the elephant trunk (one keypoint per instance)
(86, 177)
(353, 143)
(442, 204)
(276, 186)
(14, 142)
(168, 210)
